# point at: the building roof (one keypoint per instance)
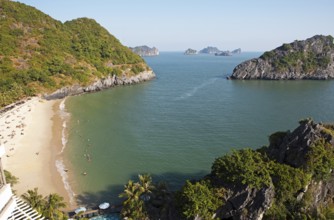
(24, 211)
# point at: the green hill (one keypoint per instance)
(39, 54)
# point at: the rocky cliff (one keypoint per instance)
(101, 84)
(145, 51)
(312, 58)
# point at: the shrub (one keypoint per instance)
(320, 160)
(246, 166)
(198, 200)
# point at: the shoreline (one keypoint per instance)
(32, 136)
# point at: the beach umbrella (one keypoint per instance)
(80, 209)
(104, 205)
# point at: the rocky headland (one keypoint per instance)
(312, 58)
(101, 84)
(145, 51)
(190, 52)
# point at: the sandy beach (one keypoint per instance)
(31, 134)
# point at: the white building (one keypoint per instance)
(11, 207)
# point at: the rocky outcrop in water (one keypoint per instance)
(210, 50)
(308, 59)
(101, 84)
(190, 52)
(236, 51)
(145, 51)
(224, 53)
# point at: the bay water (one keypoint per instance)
(174, 126)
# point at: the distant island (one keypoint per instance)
(306, 59)
(210, 50)
(190, 52)
(228, 53)
(217, 52)
(144, 51)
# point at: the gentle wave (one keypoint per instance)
(195, 89)
(63, 137)
(62, 171)
(62, 105)
(64, 116)
(59, 163)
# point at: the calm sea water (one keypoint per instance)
(175, 126)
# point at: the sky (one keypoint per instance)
(176, 25)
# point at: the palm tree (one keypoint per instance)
(133, 207)
(53, 204)
(131, 192)
(145, 182)
(34, 199)
(10, 178)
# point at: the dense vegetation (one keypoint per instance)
(10, 178)
(39, 54)
(249, 169)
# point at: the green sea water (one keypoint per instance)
(174, 126)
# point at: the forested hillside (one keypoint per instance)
(39, 54)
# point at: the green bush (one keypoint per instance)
(246, 166)
(198, 200)
(277, 137)
(320, 160)
(287, 180)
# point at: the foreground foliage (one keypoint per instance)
(295, 188)
(49, 206)
(10, 178)
(244, 166)
(199, 200)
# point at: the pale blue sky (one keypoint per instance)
(175, 25)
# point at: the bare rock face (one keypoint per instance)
(293, 148)
(309, 59)
(247, 203)
(101, 84)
